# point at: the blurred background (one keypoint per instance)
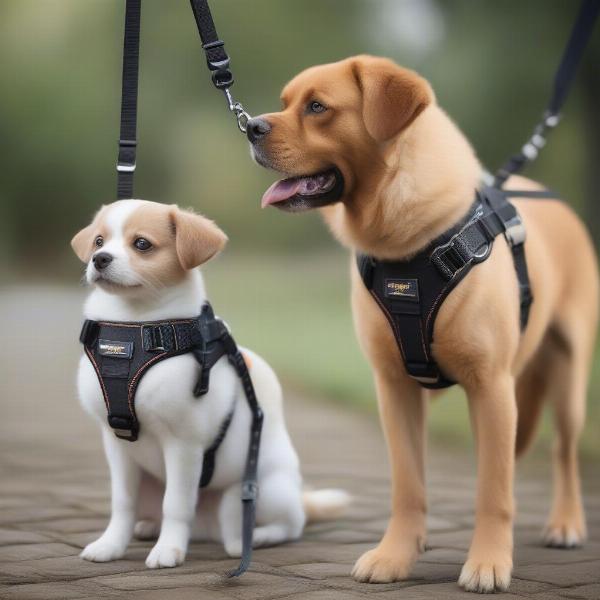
(283, 282)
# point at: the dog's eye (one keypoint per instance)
(142, 244)
(99, 242)
(315, 107)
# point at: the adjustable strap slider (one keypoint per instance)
(515, 233)
(249, 491)
(125, 429)
(218, 64)
(449, 259)
(89, 332)
(159, 338)
(126, 160)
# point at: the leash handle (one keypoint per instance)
(563, 80)
(129, 99)
(217, 59)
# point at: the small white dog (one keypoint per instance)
(141, 258)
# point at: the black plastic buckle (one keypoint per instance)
(125, 429)
(515, 233)
(448, 260)
(221, 75)
(126, 160)
(154, 337)
(89, 332)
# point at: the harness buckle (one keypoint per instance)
(126, 160)
(515, 232)
(448, 260)
(156, 337)
(249, 491)
(124, 429)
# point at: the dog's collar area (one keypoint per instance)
(411, 292)
(123, 352)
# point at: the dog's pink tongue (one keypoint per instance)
(281, 190)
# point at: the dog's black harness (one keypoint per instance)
(410, 292)
(121, 354)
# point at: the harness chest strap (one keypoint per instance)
(411, 292)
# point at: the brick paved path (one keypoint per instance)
(54, 498)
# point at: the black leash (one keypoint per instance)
(249, 483)
(580, 35)
(129, 94)
(217, 59)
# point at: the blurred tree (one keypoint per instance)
(490, 62)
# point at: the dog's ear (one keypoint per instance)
(82, 243)
(392, 97)
(197, 239)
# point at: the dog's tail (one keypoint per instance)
(325, 505)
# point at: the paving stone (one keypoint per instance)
(591, 592)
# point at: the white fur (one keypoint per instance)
(176, 427)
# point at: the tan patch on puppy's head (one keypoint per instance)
(83, 242)
(179, 240)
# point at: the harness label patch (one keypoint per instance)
(402, 288)
(115, 349)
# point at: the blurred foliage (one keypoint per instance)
(490, 62)
(284, 280)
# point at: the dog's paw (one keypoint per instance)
(165, 555)
(568, 534)
(485, 576)
(233, 548)
(102, 551)
(146, 530)
(384, 565)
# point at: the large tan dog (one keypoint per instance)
(365, 141)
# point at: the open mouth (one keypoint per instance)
(297, 194)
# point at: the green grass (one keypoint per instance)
(296, 313)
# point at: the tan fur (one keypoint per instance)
(399, 195)
(83, 241)
(197, 238)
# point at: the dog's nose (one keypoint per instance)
(102, 260)
(257, 128)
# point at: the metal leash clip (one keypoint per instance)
(238, 110)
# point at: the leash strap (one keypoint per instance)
(129, 96)
(214, 48)
(249, 483)
(217, 59)
(580, 35)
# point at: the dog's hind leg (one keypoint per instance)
(531, 392)
(279, 513)
(568, 372)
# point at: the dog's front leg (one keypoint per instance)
(402, 409)
(125, 480)
(494, 418)
(183, 465)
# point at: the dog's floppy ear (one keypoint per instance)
(82, 243)
(197, 239)
(392, 97)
